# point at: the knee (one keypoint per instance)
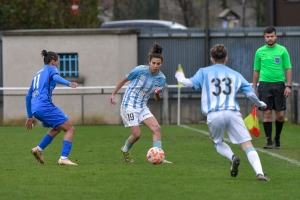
(136, 135)
(267, 114)
(156, 129)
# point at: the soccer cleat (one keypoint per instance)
(127, 156)
(166, 162)
(234, 166)
(276, 144)
(65, 162)
(38, 155)
(269, 146)
(261, 177)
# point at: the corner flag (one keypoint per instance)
(252, 122)
(181, 70)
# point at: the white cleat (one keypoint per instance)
(65, 162)
(166, 162)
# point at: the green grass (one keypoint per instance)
(197, 172)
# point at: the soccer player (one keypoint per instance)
(219, 85)
(272, 66)
(144, 82)
(39, 105)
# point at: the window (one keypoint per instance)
(68, 64)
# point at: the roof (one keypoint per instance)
(228, 14)
(142, 23)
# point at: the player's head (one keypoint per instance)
(218, 54)
(270, 35)
(155, 58)
(50, 58)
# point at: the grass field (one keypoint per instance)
(197, 172)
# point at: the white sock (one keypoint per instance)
(224, 150)
(63, 157)
(254, 160)
(39, 149)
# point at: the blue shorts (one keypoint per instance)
(51, 118)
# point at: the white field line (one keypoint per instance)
(258, 149)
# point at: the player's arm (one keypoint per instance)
(256, 72)
(249, 92)
(30, 121)
(57, 78)
(118, 87)
(181, 79)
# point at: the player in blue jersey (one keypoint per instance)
(39, 105)
(219, 85)
(144, 82)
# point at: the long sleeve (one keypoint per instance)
(57, 78)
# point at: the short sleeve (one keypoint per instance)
(134, 73)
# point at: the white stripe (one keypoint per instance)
(258, 149)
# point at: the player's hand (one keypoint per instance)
(287, 92)
(158, 90)
(263, 104)
(111, 100)
(73, 84)
(29, 123)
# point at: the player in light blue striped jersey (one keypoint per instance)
(219, 85)
(144, 82)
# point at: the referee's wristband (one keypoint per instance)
(289, 86)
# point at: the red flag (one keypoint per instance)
(252, 122)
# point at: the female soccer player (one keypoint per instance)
(144, 81)
(39, 105)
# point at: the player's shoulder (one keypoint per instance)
(280, 47)
(160, 74)
(142, 67)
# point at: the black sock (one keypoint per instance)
(278, 126)
(268, 131)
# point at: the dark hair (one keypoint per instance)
(218, 53)
(155, 52)
(48, 56)
(269, 29)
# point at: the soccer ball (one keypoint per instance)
(155, 155)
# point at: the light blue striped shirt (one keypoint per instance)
(219, 85)
(141, 87)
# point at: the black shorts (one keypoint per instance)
(273, 95)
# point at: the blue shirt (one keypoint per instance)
(141, 87)
(41, 89)
(219, 85)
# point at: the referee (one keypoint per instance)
(272, 66)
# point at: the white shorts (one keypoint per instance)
(134, 117)
(228, 121)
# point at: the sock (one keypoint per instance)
(67, 146)
(254, 160)
(157, 144)
(127, 146)
(278, 126)
(268, 131)
(45, 142)
(225, 150)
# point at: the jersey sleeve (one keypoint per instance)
(197, 80)
(134, 73)
(245, 86)
(286, 60)
(53, 70)
(257, 61)
(28, 102)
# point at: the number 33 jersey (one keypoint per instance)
(219, 85)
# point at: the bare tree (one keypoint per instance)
(192, 12)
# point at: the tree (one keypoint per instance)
(136, 9)
(44, 14)
(191, 10)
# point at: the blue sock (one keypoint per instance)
(157, 144)
(45, 141)
(67, 146)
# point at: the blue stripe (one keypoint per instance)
(207, 94)
(218, 97)
(227, 89)
(250, 149)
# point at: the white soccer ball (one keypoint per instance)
(155, 155)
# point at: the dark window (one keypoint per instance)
(68, 64)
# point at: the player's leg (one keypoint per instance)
(130, 119)
(47, 139)
(280, 107)
(254, 160)
(150, 121)
(239, 134)
(265, 91)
